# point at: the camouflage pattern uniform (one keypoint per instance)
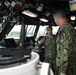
(50, 50)
(65, 49)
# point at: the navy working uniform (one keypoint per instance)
(50, 50)
(65, 41)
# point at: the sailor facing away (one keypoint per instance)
(65, 44)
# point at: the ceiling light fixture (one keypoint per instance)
(72, 18)
(29, 13)
(43, 19)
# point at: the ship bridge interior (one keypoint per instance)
(23, 22)
(41, 13)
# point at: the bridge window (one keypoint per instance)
(30, 30)
(15, 32)
(41, 31)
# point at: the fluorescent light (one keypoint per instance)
(72, 18)
(29, 13)
(43, 19)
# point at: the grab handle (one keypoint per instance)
(44, 69)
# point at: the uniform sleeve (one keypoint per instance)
(43, 40)
(65, 43)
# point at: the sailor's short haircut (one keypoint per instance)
(48, 28)
(60, 13)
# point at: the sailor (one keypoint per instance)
(50, 50)
(65, 42)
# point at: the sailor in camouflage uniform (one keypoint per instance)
(50, 49)
(65, 42)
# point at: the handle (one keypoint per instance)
(44, 69)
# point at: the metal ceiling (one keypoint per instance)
(7, 8)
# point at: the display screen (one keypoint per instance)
(72, 5)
